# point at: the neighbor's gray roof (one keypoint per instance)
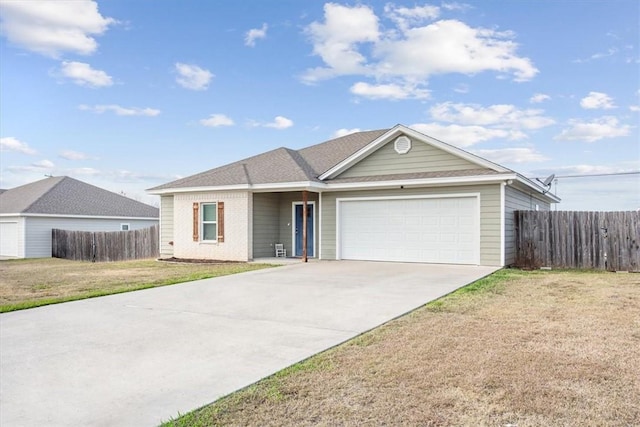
(281, 164)
(62, 195)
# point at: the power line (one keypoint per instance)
(595, 174)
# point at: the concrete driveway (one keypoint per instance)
(139, 358)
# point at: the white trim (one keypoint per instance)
(128, 225)
(121, 218)
(502, 223)
(320, 225)
(339, 200)
(360, 185)
(293, 228)
(202, 222)
(421, 182)
(415, 135)
(281, 186)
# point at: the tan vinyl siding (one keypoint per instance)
(266, 223)
(421, 158)
(517, 200)
(489, 215)
(166, 226)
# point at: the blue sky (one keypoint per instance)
(127, 94)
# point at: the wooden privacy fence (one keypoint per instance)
(593, 240)
(105, 245)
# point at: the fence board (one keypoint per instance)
(106, 245)
(568, 239)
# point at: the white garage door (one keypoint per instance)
(436, 230)
(9, 239)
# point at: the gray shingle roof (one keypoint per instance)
(281, 164)
(63, 195)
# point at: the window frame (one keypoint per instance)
(123, 225)
(203, 222)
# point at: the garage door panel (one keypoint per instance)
(9, 239)
(439, 230)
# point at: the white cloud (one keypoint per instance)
(83, 75)
(9, 143)
(52, 27)
(634, 108)
(44, 164)
(451, 46)
(75, 155)
(501, 115)
(405, 17)
(603, 127)
(37, 167)
(254, 34)
(336, 40)
(217, 120)
(389, 91)
(461, 88)
(349, 42)
(121, 111)
(193, 77)
(599, 55)
(511, 155)
(456, 6)
(344, 131)
(465, 136)
(597, 100)
(538, 98)
(280, 122)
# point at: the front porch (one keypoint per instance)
(278, 217)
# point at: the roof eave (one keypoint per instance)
(277, 186)
(422, 182)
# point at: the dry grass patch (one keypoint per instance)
(33, 282)
(518, 348)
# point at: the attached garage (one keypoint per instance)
(439, 229)
(9, 239)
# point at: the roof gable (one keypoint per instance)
(63, 195)
(458, 158)
(421, 158)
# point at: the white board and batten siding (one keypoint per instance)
(517, 200)
(38, 230)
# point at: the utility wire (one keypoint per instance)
(595, 174)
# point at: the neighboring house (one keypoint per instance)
(383, 195)
(28, 214)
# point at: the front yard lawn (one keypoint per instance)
(33, 282)
(516, 348)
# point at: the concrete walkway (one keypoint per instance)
(139, 358)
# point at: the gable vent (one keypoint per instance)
(402, 145)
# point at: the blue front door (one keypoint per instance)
(298, 230)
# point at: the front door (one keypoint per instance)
(298, 229)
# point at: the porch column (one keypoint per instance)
(304, 225)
